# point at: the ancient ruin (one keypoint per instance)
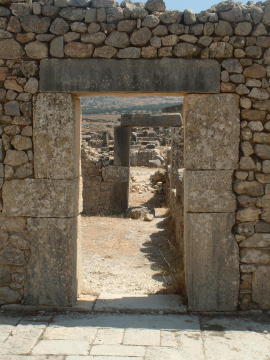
(52, 52)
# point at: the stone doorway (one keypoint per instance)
(210, 156)
(50, 200)
(127, 253)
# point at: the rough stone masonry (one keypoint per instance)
(36, 218)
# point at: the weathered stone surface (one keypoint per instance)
(115, 173)
(126, 25)
(37, 50)
(232, 66)
(255, 256)
(261, 287)
(150, 21)
(56, 147)
(255, 71)
(129, 53)
(155, 5)
(59, 26)
(31, 86)
(12, 224)
(9, 255)
(149, 52)
(57, 47)
(35, 24)
(220, 50)
(103, 3)
(209, 191)
(211, 131)
(151, 120)
(106, 52)
(141, 36)
(8, 296)
(41, 198)
(253, 115)
(186, 50)
(10, 49)
(212, 262)
(72, 14)
(21, 142)
(130, 75)
(259, 94)
(243, 28)
(257, 241)
(51, 280)
(248, 214)
(15, 158)
(251, 188)
(223, 28)
(95, 38)
(5, 275)
(12, 108)
(78, 50)
(262, 105)
(262, 151)
(117, 39)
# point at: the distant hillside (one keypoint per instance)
(111, 104)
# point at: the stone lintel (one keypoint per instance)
(130, 75)
(151, 120)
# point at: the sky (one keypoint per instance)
(195, 5)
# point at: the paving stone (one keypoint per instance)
(61, 347)
(70, 333)
(232, 339)
(32, 357)
(140, 303)
(157, 353)
(169, 339)
(118, 350)
(109, 336)
(142, 337)
(103, 358)
(23, 339)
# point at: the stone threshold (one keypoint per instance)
(113, 303)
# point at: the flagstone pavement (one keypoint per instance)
(105, 336)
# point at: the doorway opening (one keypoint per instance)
(127, 237)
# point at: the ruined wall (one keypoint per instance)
(103, 185)
(237, 36)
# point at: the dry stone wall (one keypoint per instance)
(235, 35)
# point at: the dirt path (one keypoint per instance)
(124, 256)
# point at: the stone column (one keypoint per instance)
(50, 201)
(122, 159)
(211, 154)
(121, 145)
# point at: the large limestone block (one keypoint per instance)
(209, 191)
(109, 75)
(261, 287)
(115, 173)
(41, 198)
(51, 271)
(212, 262)
(212, 128)
(56, 136)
